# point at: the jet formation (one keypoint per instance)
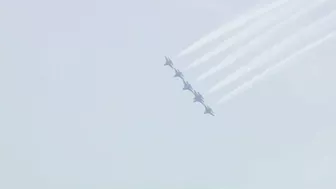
(198, 97)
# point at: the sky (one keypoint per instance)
(87, 103)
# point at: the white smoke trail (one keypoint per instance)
(274, 69)
(264, 57)
(241, 21)
(230, 59)
(251, 30)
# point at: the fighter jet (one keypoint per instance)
(198, 97)
(187, 86)
(208, 110)
(168, 62)
(179, 74)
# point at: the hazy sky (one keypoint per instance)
(87, 103)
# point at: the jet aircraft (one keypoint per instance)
(179, 74)
(208, 110)
(198, 97)
(168, 62)
(187, 86)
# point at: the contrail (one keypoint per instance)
(230, 59)
(261, 59)
(241, 21)
(251, 30)
(274, 69)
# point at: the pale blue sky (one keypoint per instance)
(87, 103)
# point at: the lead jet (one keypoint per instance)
(168, 62)
(198, 97)
(208, 110)
(179, 74)
(187, 86)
